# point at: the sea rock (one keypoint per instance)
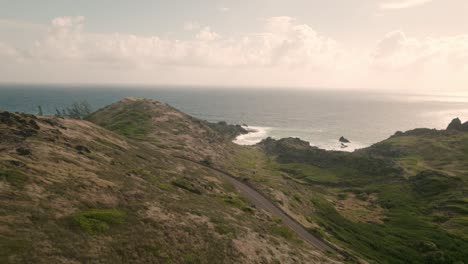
(456, 124)
(344, 140)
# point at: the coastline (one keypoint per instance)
(258, 133)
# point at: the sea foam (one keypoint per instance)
(255, 135)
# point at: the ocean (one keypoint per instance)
(318, 116)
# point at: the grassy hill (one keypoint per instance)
(167, 128)
(120, 187)
(72, 191)
(403, 200)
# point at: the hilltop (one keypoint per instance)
(167, 128)
(140, 182)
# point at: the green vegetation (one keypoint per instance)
(15, 178)
(57, 198)
(77, 110)
(395, 241)
(133, 121)
(223, 228)
(308, 173)
(39, 110)
(418, 181)
(283, 231)
(96, 221)
(132, 124)
(432, 183)
(227, 130)
(186, 184)
(12, 247)
(238, 203)
(399, 201)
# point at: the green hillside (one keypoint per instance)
(74, 192)
(141, 182)
(403, 200)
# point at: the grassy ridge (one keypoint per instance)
(419, 180)
(133, 122)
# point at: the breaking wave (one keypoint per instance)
(255, 135)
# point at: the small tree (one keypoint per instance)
(78, 110)
(58, 113)
(39, 110)
(207, 161)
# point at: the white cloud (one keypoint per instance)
(284, 52)
(396, 51)
(402, 4)
(224, 9)
(283, 43)
(191, 25)
(426, 64)
(8, 52)
(206, 34)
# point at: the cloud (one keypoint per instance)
(284, 52)
(224, 9)
(283, 43)
(410, 63)
(191, 25)
(404, 4)
(8, 52)
(396, 51)
(206, 34)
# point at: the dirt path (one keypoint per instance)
(262, 202)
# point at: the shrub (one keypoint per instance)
(186, 185)
(96, 221)
(14, 178)
(239, 203)
(283, 231)
(77, 110)
(342, 196)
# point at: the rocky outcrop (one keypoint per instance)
(23, 151)
(229, 131)
(456, 124)
(464, 127)
(271, 145)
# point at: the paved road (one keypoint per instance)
(262, 202)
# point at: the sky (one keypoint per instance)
(396, 45)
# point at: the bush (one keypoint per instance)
(207, 162)
(14, 178)
(186, 185)
(342, 196)
(96, 221)
(78, 110)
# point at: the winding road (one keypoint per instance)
(261, 202)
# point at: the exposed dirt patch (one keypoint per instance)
(363, 210)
